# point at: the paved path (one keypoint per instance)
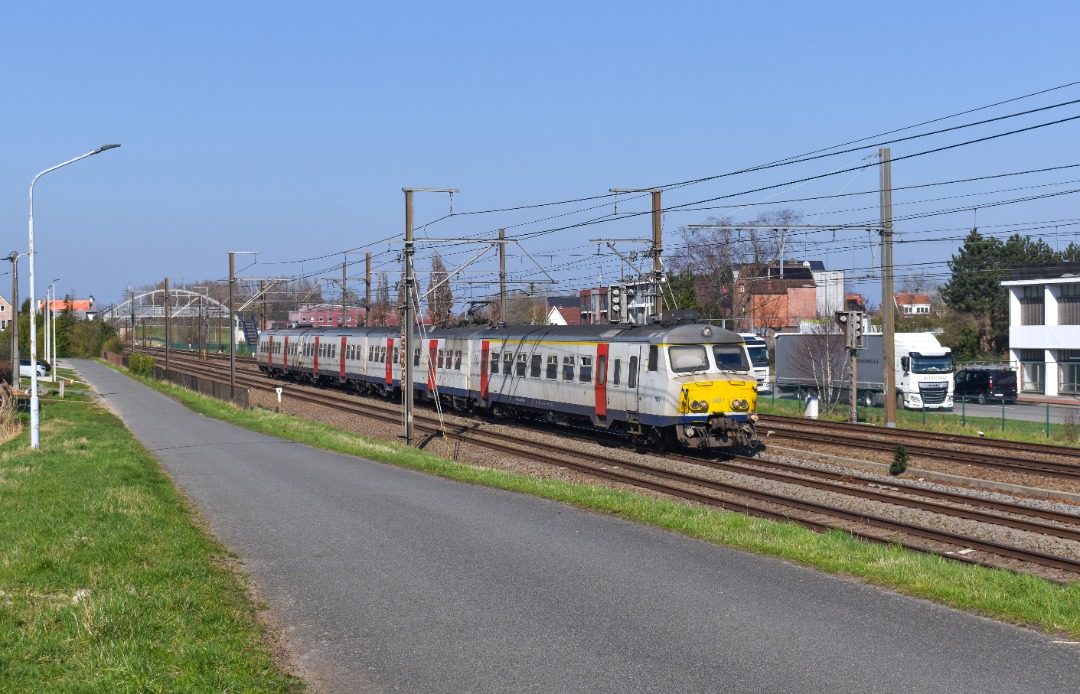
(397, 581)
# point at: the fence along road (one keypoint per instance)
(388, 579)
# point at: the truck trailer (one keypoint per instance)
(810, 363)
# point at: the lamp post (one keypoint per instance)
(35, 415)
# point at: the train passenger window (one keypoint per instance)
(494, 363)
(397, 354)
(371, 353)
(382, 355)
(631, 373)
(457, 360)
(416, 357)
(653, 358)
(333, 351)
(585, 372)
(440, 359)
(521, 362)
(508, 363)
(568, 368)
(601, 369)
(552, 366)
(534, 367)
(616, 374)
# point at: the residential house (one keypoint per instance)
(911, 304)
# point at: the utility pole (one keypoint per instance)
(406, 328)
(367, 289)
(344, 304)
(888, 337)
(657, 246)
(168, 337)
(132, 302)
(502, 275)
(232, 333)
(14, 258)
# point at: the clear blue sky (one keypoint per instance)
(290, 128)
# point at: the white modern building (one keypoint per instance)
(1044, 330)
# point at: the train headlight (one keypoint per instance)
(699, 405)
(740, 405)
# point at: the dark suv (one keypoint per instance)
(987, 383)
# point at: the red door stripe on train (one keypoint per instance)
(343, 356)
(601, 379)
(390, 361)
(433, 350)
(485, 347)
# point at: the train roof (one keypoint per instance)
(653, 333)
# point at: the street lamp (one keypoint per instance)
(35, 415)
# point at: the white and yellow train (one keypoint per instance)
(689, 384)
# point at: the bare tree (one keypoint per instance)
(440, 298)
(380, 309)
(820, 360)
(731, 265)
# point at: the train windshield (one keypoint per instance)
(730, 358)
(688, 358)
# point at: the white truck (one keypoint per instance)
(923, 369)
(759, 360)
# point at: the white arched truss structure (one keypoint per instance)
(196, 319)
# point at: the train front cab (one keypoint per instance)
(700, 389)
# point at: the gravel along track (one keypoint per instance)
(391, 429)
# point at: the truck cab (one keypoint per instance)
(924, 372)
(759, 360)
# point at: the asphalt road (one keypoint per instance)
(396, 581)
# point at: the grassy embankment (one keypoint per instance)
(999, 594)
(107, 584)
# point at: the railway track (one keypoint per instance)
(976, 452)
(657, 476)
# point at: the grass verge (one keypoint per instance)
(106, 582)
(1020, 599)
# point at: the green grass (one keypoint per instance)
(1020, 599)
(106, 582)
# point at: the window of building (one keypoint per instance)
(1033, 371)
(1069, 368)
(1032, 305)
(1069, 305)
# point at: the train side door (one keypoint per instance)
(633, 379)
(600, 379)
(342, 357)
(315, 358)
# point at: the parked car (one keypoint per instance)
(25, 372)
(983, 384)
